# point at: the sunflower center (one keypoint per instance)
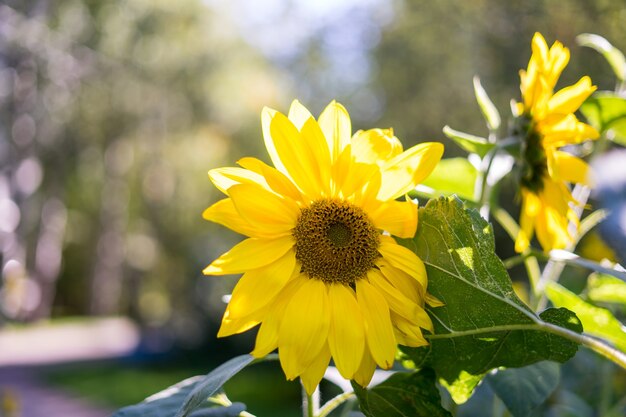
(335, 241)
(534, 161)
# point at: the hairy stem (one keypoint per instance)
(334, 403)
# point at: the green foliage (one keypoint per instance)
(597, 321)
(614, 56)
(606, 111)
(453, 176)
(606, 288)
(483, 324)
(489, 110)
(462, 388)
(402, 395)
(471, 143)
(524, 389)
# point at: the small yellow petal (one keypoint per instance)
(304, 328)
(402, 281)
(335, 123)
(224, 212)
(298, 114)
(375, 146)
(346, 338)
(366, 370)
(569, 99)
(410, 333)
(403, 259)
(397, 301)
(378, 327)
(567, 167)
(531, 206)
(231, 326)
(258, 287)
(276, 180)
(312, 375)
(250, 254)
(433, 301)
(403, 172)
(224, 178)
(396, 217)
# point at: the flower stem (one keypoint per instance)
(334, 403)
(310, 403)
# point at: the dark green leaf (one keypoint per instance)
(483, 324)
(471, 143)
(212, 382)
(168, 401)
(402, 395)
(524, 389)
(453, 176)
(606, 111)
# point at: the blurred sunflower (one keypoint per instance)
(318, 274)
(547, 122)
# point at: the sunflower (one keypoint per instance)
(547, 122)
(319, 275)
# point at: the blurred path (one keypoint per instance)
(24, 394)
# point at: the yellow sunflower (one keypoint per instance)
(547, 121)
(319, 274)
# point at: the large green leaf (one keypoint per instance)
(606, 111)
(168, 401)
(596, 320)
(453, 176)
(614, 56)
(483, 324)
(402, 395)
(524, 389)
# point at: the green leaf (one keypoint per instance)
(614, 56)
(463, 387)
(168, 401)
(212, 382)
(597, 321)
(524, 389)
(606, 111)
(402, 395)
(453, 176)
(606, 289)
(483, 324)
(490, 113)
(471, 143)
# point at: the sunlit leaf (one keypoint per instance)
(597, 321)
(471, 143)
(606, 111)
(463, 387)
(606, 288)
(524, 389)
(614, 56)
(490, 113)
(483, 324)
(402, 395)
(453, 176)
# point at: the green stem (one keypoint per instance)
(310, 403)
(596, 345)
(334, 403)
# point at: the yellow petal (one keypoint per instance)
(346, 337)
(250, 254)
(223, 212)
(224, 178)
(267, 115)
(531, 205)
(258, 287)
(569, 99)
(396, 217)
(567, 167)
(539, 48)
(411, 333)
(231, 326)
(267, 337)
(433, 301)
(298, 114)
(319, 164)
(397, 301)
(375, 145)
(312, 375)
(403, 259)
(366, 370)
(296, 156)
(402, 281)
(403, 172)
(304, 328)
(276, 180)
(265, 209)
(378, 327)
(335, 123)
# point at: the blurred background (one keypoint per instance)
(112, 112)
